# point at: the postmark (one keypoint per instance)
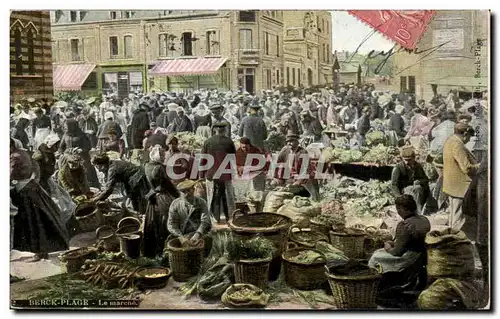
(402, 26)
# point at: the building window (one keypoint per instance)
(75, 46)
(81, 15)
(127, 44)
(187, 44)
(163, 44)
(58, 15)
(129, 14)
(309, 52)
(212, 43)
(167, 12)
(411, 84)
(246, 39)
(293, 76)
(247, 16)
(298, 77)
(266, 42)
(113, 46)
(268, 79)
(278, 77)
(328, 53)
(403, 84)
(73, 16)
(277, 45)
(113, 15)
(246, 80)
(287, 76)
(31, 52)
(19, 53)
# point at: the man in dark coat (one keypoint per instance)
(254, 128)
(88, 125)
(364, 124)
(217, 117)
(408, 177)
(220, 191)
(138, 126)
(397, 123)
(196, 100)
(182, 123)
(181, 101)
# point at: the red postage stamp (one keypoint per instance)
(403, 26)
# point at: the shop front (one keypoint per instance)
(189, 74)
(122, 81)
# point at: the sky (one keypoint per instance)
(348, 32)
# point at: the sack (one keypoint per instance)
(274, 200)
(62, 199)
(300, 210)
(449, 253)
(448, 294)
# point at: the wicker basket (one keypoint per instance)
(255, 272)
(106, 234)
(185, 262)
(305, 238)
(320, 228)
(303, 276)
(131, 222)
(372, 243)
(271, 226)
(354, 292)
(73, 260)
(87, 217)
(352, 244)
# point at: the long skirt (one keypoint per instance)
(38, 226)
(204, 131)
(155, 225)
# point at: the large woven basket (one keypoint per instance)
(185, 262)
(303, 276)
(112, 218)
(306, 238)
(352, 244)
(255, 272)
(88, 218)
(320, 228)
(354, 292)
(271, 226)
(73, 260)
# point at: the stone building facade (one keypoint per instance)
(451, 55)
(124, 51)
(30, 55)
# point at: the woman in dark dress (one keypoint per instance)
(203, 121)
(38, 227)
(75, 138)
(88, 125)
(161, 195)
(20, 134)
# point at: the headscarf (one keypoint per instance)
(109, 116)
(155, 155)
(51, 140)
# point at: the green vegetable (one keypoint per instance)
(375, 138)
(256, 248)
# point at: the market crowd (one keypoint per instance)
(59, 150)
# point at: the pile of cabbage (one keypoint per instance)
(378, 154)
(190, 142)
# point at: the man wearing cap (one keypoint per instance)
(40, 128)
(217, 117)
(220, 192)
(459, 166)
(253, 127)
(296, 154)
(349, 113)
(408, 177)
(188, 216)
(396, 126)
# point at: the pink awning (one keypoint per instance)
(70, 77)
(198, 66)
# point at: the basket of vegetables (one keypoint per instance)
(185, 259)
(304, 267)
(152, 277)
(305, 237)
(88, 217)
(332, 216)
(267, 225)
(251, 260)
(245, 296)
(107, 238)
(74, 259)
(349, 240)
